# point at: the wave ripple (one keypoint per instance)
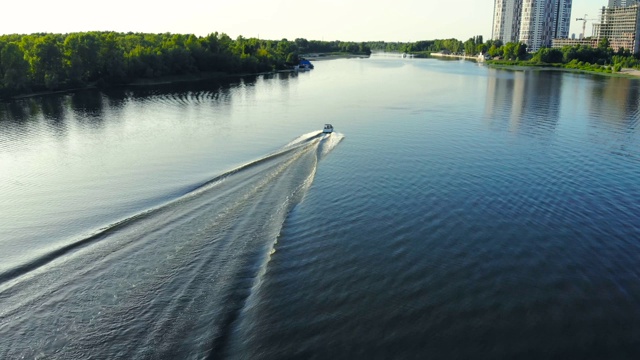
(166, 283)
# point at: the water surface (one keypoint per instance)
(458, 212)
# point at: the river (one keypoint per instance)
(457, 212)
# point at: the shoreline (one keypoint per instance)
(320, 57)
(186, 78)
(141, 82)
(463, 57)
(628, 73)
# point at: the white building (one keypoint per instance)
(506, 20)
(544, 20)
(533, 22)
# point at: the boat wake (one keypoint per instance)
(167, 282)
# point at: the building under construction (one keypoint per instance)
(559, 43)
(620, 24)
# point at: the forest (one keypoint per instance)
(47, 62)
(423, 46)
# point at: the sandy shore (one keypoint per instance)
(629, 71)
(474, 58)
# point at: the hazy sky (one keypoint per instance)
(353, 20)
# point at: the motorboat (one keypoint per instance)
(303, 65)
(328, 129)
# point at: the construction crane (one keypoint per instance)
(584, 23)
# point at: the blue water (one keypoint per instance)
(458, 212)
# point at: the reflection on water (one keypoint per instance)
(87, 103)
(529, 100)
(90, 105)
(616, 101)
(88, 152)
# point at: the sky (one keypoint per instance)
(346, 20)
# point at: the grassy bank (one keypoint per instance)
(570, 67)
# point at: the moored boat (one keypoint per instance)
(303, 65)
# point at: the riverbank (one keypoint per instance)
(140, 82)
(630, 72)
(172, 79)
(452, 56)
(333, 56)
(187, 78)
(625, 72)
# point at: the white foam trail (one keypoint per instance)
(165, 282)
(302, 138)
(329, 142)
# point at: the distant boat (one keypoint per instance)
(303, 65)
(328, 129)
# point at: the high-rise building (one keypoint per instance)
(544, 20)
(563, 19)
(533, 22)
(506, 20)
(622, 3)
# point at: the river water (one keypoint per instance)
(457, 212)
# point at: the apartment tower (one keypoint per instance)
(506, 20)
(533, 22)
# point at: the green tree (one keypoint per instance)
(112, 60)
(46, 62)
(470, 47)
(302, 44)
(493, 50)
(509, 51)
(14, 69)
(521, 51)
(603, 43)
(549, 56)
(80, 56)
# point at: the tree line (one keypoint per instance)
(43, 62)
(426, 46)
(601, 58)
